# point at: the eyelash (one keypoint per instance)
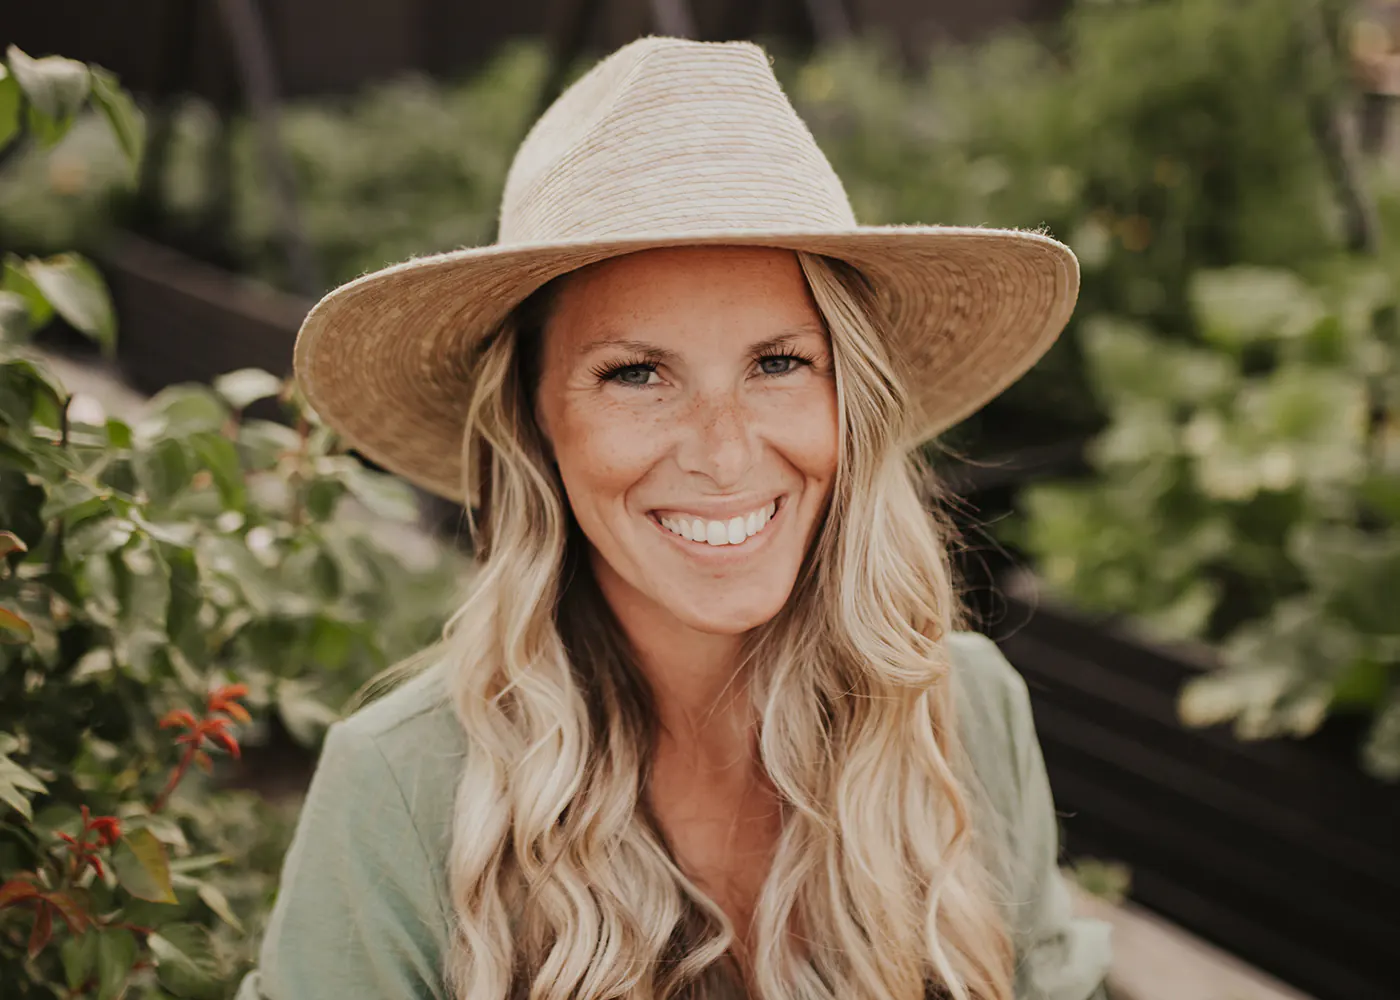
(606, 373)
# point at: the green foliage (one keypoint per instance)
(1248, 492)
(1156, 138)
(147, 565)
(41, 99)
(154, 575)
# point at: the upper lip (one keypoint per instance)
(716, 510)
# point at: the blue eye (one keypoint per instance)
(632, 373)
(778, 364)
(775, 365)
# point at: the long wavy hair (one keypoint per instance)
(886, 883)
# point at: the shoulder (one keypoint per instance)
(992, 698)
(996, 728)
(412, 733)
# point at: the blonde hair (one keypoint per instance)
(562, 885)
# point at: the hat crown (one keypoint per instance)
(671, 136)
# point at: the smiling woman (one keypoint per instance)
(706, 726)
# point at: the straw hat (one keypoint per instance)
(669, 142)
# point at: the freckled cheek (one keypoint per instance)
(803, 429)
(602, 455)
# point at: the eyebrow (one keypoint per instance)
(666, 355)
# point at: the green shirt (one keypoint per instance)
(362, 912)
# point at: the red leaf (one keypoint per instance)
(235, 711)
(108, 829)
(43, 930)
(205, 762)
(226, 741)
(17, 890)
(70, 910)
(178, 717)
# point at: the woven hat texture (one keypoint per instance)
(669, 142)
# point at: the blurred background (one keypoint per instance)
(1183, 526)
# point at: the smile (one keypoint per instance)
(730, 532)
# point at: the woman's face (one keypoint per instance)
(688, 397)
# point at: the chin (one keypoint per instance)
(733, 616)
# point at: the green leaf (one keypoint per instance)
(1356, 572)
(1362, 684)
(28, 395)
(304, 715)
(1381, 752)
(187, 965)
(9, 105)
(56, 89)
(18, 281)
(203, 862)
(181, 411)
(384, 495)
(265, 440)
(246, 386)
(118, 433)
(186, 599)
(220, 456)
(79, 956)
(1240, 305)
(79, 295)
(214, 899)
(116, 954)
(122, 115)
(15, 327)
(143, 867)
(15, 782)
(164, 828)
(164, 470)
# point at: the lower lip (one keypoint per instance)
(704, 550)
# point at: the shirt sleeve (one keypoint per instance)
(1060, 956)
(358, 914)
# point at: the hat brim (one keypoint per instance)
(383, 359)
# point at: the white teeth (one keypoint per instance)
(734, 531)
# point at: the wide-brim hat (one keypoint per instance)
(669, 142)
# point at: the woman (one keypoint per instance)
(705, 726)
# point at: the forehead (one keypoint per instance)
(676, 293)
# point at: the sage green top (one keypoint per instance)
(362, 912)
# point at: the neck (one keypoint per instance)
(702, 699)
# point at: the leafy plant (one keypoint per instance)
(155, 576)
(1248, 493)
(39, 101)
(151, 563)
(1155, 138)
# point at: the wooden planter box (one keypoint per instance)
(1283, 852)
(181, 320)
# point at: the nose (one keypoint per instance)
(717, 439)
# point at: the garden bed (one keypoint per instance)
(1283, 852)
(185, 321)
